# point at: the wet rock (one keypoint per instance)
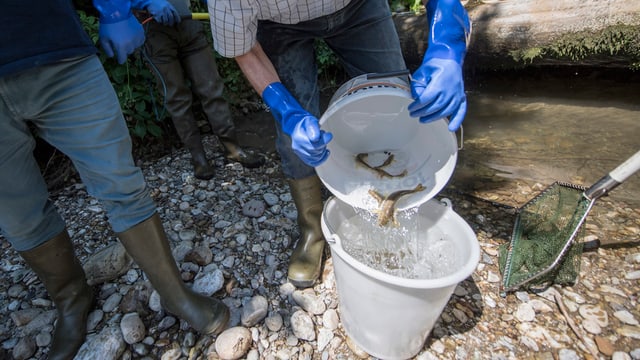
(135, 300)
(274, 321)
(233, 343)
(595, 313)
(254, 310)
(525, 312)
(302, 326)
(24, 349)
(23, 317)
(187, 235)
(568, 354)
(605, 346)
(626, 317)
(324, 338)
(253, 208)
(107, 264)
(44, 319)
(133, 329)
(633, 275)
(271, 199)
(208, 283)
(172, 352)
(93, 319)
(155, 302)
(620, 355)
(629, 331)
(200, 255)
(309, 301)
(166, 323)
(591, 326)
(112, 303)
(109, 343)
(330, 319)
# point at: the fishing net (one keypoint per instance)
(543, 250)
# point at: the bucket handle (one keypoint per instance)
(334, 239)
(398, 73)
(447, 203)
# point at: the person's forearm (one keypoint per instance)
(257, 68)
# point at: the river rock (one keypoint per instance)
(233, 343)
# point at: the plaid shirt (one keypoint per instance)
(234, 23)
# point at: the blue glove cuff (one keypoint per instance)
(449, 30)
(113, 11)
(282, 105)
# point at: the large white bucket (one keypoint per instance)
(390, 317)
(369, 115)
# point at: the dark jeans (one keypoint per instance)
(184, 64)
(362, 35)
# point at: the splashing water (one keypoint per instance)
(417, 249)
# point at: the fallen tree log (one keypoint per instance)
(519, 33)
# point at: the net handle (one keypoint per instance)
(614, 178)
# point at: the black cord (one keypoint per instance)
(147, 59)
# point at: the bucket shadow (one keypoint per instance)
(462, 313)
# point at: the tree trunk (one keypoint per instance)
(516, 33)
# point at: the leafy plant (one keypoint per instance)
(134, 85)
(406, 5)
(329, 68)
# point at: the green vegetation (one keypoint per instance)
(621, 40)
(135, 86)
(142, 103)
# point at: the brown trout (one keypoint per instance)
(387, 205)
(360, 160)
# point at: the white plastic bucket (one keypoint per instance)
(390, 317)
(369, 115)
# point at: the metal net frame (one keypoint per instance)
(543, 249)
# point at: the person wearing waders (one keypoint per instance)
(52, 81)
(183, 63)
(273, 43)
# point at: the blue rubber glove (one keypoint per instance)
(307, 140)
(437, 86)
(120, 33)
(161, 10)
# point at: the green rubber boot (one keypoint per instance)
(306, 260)
(247, 157)
(148, 246)
(62, 275)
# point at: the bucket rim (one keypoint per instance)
(435, 169)
(449, 280)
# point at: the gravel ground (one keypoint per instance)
(227, 248)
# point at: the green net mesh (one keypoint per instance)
(545, 247)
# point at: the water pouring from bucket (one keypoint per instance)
(397, 253)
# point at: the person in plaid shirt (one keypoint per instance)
(273, 43)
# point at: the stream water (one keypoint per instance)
(550, 125)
